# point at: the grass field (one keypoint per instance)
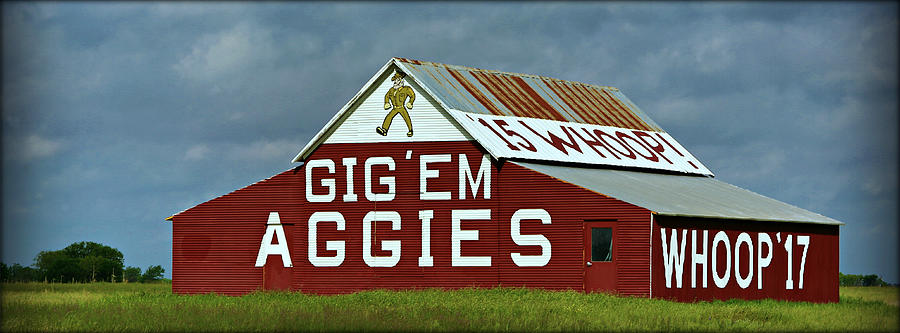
(152, 307)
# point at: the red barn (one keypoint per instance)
(440, 176)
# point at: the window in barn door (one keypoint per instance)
(601, 244)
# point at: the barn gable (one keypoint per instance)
(357, 120)
(512, 116)
(428, 122)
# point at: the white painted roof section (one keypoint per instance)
(561, 141)
(675, 195)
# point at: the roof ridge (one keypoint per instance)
(476, 69)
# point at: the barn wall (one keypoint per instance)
(570, 206)
(353, 273)
(215, 244)
(819, 265)
(512, 188)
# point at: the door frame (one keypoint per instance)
(592, 272)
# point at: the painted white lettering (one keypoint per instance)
(743, 282)
(426, 260)
(392, 245)
(338, 246)
(529, 138)
(458, 235)
(425, 173)
(349, 162)
(803, 240)
(266, 248)
(385, 180)
(760, 260)
(672, 258)
(326, 182)
(721, 280)
(698, 258)
(789, 247)
(465, 174)
(530, 240)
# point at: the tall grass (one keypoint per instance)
(137, 307)
(889, 295)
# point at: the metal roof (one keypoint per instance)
(676, 195)
(522, 95)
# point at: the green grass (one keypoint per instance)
(152, 307)
(889, 295)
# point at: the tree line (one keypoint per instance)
(854, 280)
(79, 262)
(91, 262)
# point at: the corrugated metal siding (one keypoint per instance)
(514, 188)
(215, 244)
(820, 271)
(570, 206)
(520, 95)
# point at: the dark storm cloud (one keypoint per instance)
(116, 115)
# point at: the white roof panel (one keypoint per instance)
(560, 141)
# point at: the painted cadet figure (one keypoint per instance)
(394, 100)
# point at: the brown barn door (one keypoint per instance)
(275, 275)
(599, 255)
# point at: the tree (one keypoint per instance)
(96, 260)
(873, 280)
(56, 266)
(19, 273)
(152, 273)
(132, 274)
(861, 280)
(82, 262)
(79, 262)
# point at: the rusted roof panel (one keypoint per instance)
(522, 95)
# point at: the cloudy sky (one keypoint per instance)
(117, 115)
